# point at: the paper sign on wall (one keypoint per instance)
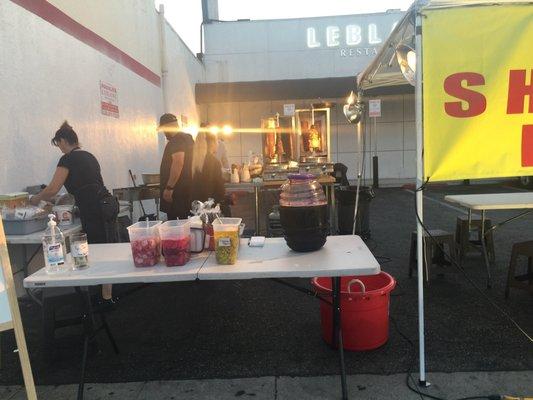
(108, 100)
(478, 101)
(289, 109)
(374, 108)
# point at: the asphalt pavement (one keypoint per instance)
(258, 328)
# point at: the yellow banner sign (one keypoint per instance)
(478, 92)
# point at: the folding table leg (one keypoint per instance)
(109, 334)
(86, 340)
(88, 328)
(336, 339)
(484, 247)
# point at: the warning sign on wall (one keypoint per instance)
(374, 108)
(108, 100)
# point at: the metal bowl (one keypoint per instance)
(150, 179)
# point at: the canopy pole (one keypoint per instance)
(359, 171)
(419, 200)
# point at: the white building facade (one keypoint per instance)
(253, 68)
(101, 66)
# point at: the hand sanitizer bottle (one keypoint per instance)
(54, 248)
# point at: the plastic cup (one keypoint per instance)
(226, 233)
(176, 242)
(79, 249)
(145, 243)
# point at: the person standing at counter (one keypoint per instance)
(222, 154)
(208, 182)
(176, 169)
(79, 171)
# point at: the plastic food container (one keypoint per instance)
(64, 214)
(226, 233)
(14, 200)
(175, 242)
(25, 227)
(145, 243)
(197, 235)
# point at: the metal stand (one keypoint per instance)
(484, 247)
(256, 198)
(89, 333)
(25, 269)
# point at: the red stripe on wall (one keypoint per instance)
(59, 19)
(527, 146)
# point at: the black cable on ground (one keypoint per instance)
(461, 269)
(409, 377)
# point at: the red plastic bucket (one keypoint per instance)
(364, 310)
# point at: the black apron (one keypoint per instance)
(98, 213)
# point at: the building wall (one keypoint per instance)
(185, 70)
(48, 76)
(294, 48)
(131, 25)
(393, 139)
(251, 51)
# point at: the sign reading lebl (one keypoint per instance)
(108, 100)
(354, 40)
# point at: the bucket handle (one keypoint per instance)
(359, 282)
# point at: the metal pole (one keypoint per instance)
(419, 200)
(359, 173)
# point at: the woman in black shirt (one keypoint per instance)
(208, 179)
(79, 172)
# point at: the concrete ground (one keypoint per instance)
(390, 387)
(221, 331)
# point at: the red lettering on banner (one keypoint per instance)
(453, 85)
(518, 90)
(527, 146)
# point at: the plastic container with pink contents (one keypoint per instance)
(145, 243)
(176, 242)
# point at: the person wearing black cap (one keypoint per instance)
(176, 169)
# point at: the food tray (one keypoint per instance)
(25, 227)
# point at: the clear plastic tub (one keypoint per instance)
(145, 243)
(176, 242)
(226, 232)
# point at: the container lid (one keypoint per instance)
(175, 223)
(227, 221)
(142, 225)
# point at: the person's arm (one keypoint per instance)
(58, 180)
(178, 159)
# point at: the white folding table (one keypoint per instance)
(493, 201)
(113, 264)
